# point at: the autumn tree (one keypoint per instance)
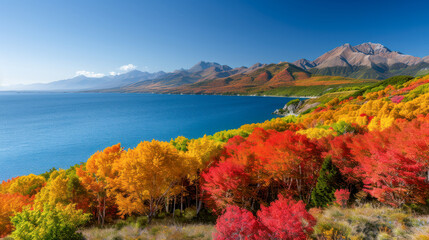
(10, 204)
(394, 162)
(237, 223)
(5, 185)
(27, 185)
(94, 177)
(390, 164)
(226, 184)
(145, 176)
(292, 160)
(342, 151)
(201, 153)
(65, 188)
(342, 196)
(287, 219)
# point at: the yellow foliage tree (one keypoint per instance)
(27, 185)
(201, 153)
(55, 191)
(64, 189)
(145, 176)
(317, 132)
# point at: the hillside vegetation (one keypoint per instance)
(353, 166)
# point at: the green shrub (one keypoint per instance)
(155, 230)
(120, 224)
(180, 143)
(342, 127)
(177, 213)
(295, 101)
(290, 119)
(52, 223)
(224, 136)
(190, 213)
(141, 222)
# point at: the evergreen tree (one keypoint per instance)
(329, 180)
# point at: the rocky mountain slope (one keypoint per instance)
(367, 60)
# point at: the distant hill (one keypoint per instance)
(367, 60)
(81, 82)
(261, 78)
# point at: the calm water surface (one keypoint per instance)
(39, 131)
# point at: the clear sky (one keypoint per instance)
(43, 41)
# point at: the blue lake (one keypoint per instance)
(39, 131)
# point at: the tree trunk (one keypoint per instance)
(181, 203)
(150, 214)
(174, 206)
(104, 212)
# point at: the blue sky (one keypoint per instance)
(43, 41)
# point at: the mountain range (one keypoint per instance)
(366, 60)
(81, 82)
(259, 79)
(346, 62)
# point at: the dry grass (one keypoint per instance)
(152, 232)
(370, 222)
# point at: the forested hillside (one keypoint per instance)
(353, 167)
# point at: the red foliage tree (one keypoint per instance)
(287, 219)
(292, 160)
(342, 197)
(395, 162)
(237, 223)
(271, 161)
(226, 183)
(392, 164)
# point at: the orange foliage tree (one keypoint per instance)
(94, 177)
(10, 203)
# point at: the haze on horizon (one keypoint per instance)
(48, 40)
